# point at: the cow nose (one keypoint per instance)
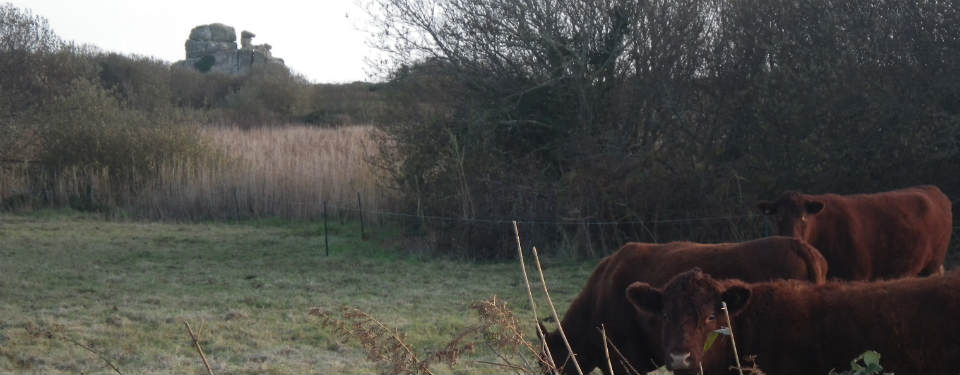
(679, 361)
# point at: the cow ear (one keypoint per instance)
(813, 207)
(645, 298)
(542, 331)
(767, 208)
(736, 297)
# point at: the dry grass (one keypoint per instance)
(271, 172)
(498, 331)
(285, 171)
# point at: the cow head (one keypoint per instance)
(689, 309)
(792, 212)
(557, 350)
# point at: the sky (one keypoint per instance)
(320, 39)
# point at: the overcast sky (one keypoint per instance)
(320, 39)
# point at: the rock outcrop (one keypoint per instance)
(213, 48)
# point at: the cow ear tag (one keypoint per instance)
(712, 336)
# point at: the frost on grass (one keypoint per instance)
(498, 330)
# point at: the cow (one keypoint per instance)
(802, 328)
(602, 300)
(870, 236)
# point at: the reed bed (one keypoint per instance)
(285, 171)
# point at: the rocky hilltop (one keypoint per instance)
(213, 48)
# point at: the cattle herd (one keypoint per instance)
(847, 274)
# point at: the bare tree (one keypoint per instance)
(622, 110)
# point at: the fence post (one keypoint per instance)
(236, 203)
(363, 235)
(326, 237)
(90, 198)
(586, 236)
(767, 228)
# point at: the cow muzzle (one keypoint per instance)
(680, 361)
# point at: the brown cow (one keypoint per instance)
(870, 236)
(602, 300)
(802, 328)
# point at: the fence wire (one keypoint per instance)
(539, 221)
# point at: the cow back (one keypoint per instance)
(884, 235)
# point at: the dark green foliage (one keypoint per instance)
(17, 202)
(650, 113)
(267, 95)
(32, 70)
(343, 104)
(138, 82)
(87, 127)
(205, 63)
(87, 202)
(200, 91)
(870, 365)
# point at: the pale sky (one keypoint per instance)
(320, 39)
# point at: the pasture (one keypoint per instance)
(124, 289)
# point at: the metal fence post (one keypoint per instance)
(363, 235)
(326, 236)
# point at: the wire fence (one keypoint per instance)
(747, 226)
(566, 236)
(580, 236)
(588, 222)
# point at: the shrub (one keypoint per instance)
(140, 83)
(88, 128)
(870, 365)
(269, 94)
(203, 91)
(340, 104)
(664, 117)
(33, 68)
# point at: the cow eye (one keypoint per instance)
(712, 317)
(665, 316)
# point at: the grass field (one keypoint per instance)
(124, 289)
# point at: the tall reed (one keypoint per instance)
(277, 171)
(285, 171)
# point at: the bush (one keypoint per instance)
(33, 68)
(140, 83)
(665, 117)
(871, 365)
(269, 94)
(201, 91)
(88, 128)
(340, 104)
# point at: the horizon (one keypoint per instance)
(160, 29)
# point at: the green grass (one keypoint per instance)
(125, 289)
